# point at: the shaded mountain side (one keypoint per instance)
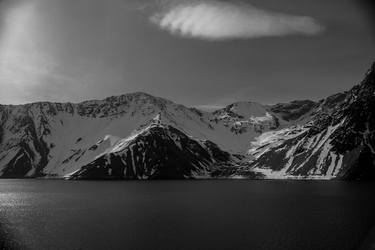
(156, 152)
(294, 110)
(28, 151)
(358, 130)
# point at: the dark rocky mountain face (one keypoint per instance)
(294, 110)
(23, 145)
(157, 152)
(337, 143)
(357, 134)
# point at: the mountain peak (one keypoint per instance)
(370, 76)
(243, 109)
(157, 151)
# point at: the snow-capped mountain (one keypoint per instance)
(338, 141)
(141, 136)
(156, 151)
(56, 139)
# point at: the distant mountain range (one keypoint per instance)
(139, 136)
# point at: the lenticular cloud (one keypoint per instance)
(216, 20)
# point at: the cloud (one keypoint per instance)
(219, 20)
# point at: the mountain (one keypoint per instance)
(57, 139)
(140, 136)
(157, 151)
(338, 141)
(295, 110)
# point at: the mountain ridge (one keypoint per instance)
(285, 140)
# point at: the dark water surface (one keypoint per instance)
(233, 214)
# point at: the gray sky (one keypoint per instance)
(198, 52)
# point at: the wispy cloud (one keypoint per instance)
(219, 20)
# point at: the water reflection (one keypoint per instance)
(8, 240)
(267, 215)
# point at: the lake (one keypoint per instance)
(209, 214)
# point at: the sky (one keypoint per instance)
(205, 53)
